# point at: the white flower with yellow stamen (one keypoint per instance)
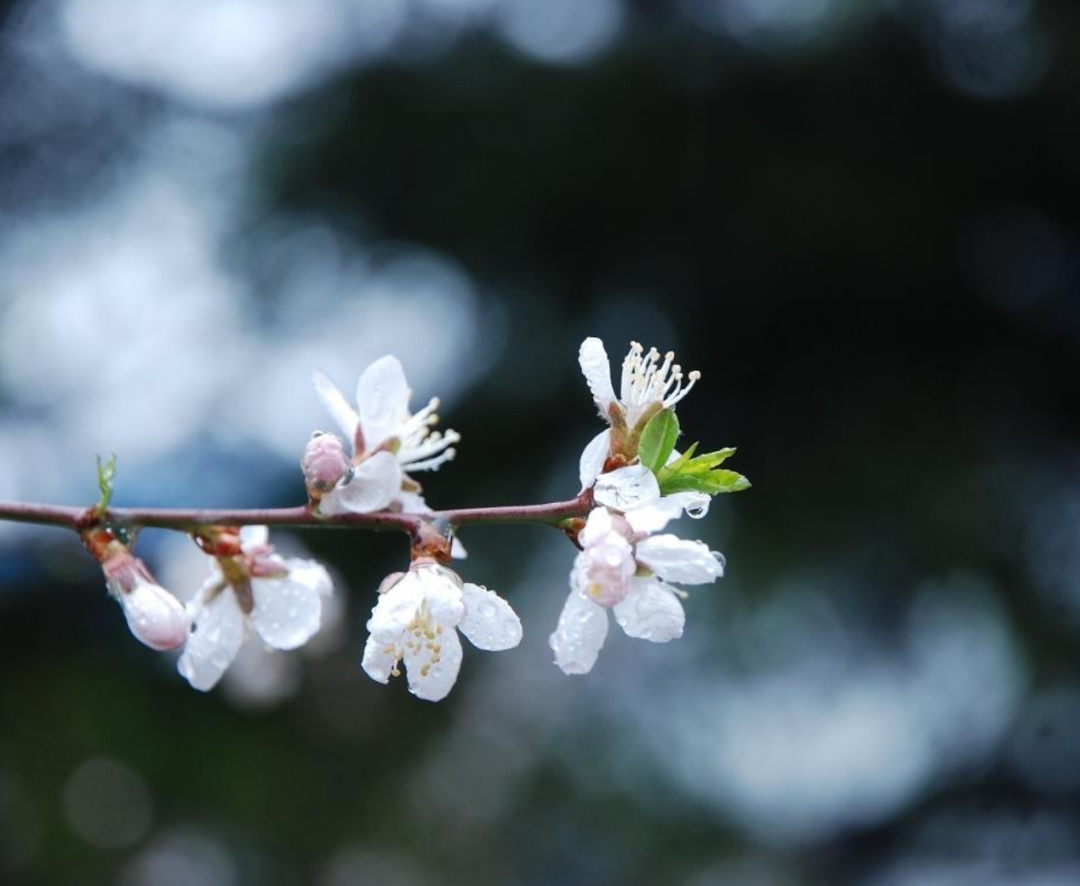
(648, 383)
(623, 569)
(387, 440)
(417, 619)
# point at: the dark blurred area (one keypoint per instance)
(858, 219)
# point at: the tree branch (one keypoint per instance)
(186, 519)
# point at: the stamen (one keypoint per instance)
(649, 379)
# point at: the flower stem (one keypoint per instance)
(186, 519)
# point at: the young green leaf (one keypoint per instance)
(676, 466)
(658, 439)
(690, 473)
(708, 461)
(106, 473)
(710, 482)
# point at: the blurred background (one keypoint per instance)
(857, 218)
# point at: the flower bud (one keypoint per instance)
(154, 616)
(324, 463)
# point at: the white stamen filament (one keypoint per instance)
(423, 449)
(646, 380)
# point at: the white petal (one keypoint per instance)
(310, 573)
(218, 634)
(396, 609)
(374, 484)
(287, 612)
(580, 634)
(627, 488)
(654, 517)
(383, 397)
(433, 672)
(380, 659)
(650, 611)
(254, 536)
(596, 367)
(336, 404)
(593, 458)
(680, 561)
(442, 594)
(457, 549)
(489, 621)
(412, 502)
(598, 525)
(155, 616)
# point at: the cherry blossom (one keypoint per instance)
(417, 619)
(648, 383)
(254, 591)
(624, 569)
(387, 440)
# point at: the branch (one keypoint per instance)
(186, 519)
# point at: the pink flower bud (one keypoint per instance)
(155, 617)
(324, 463)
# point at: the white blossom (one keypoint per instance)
(622, 568)
(417, 619)
(648, 383)
(387, 440)
(278, 598)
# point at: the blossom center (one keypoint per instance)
(421, 641)
(646, 379)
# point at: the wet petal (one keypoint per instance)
(593, 458)
(335, 403)
(650, 611)
(380, 659)
(287, 612)
(155, 616)
(596, 367)
(597, 525)
(374, 484)
(383, 397)
(680, 561)
(580, 634)
(442, 592)
(310, 573)
(489, 621)
(217, 636)
(654, 517)
(433, 671)
(627, 488)
(396, 609)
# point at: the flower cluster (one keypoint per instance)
(634, 483)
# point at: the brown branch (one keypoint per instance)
(186, 519)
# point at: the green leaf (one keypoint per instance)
(658, 439)
(710, 482)
(676, 466)
(708, 461)
(106, 473)
(690, 473)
